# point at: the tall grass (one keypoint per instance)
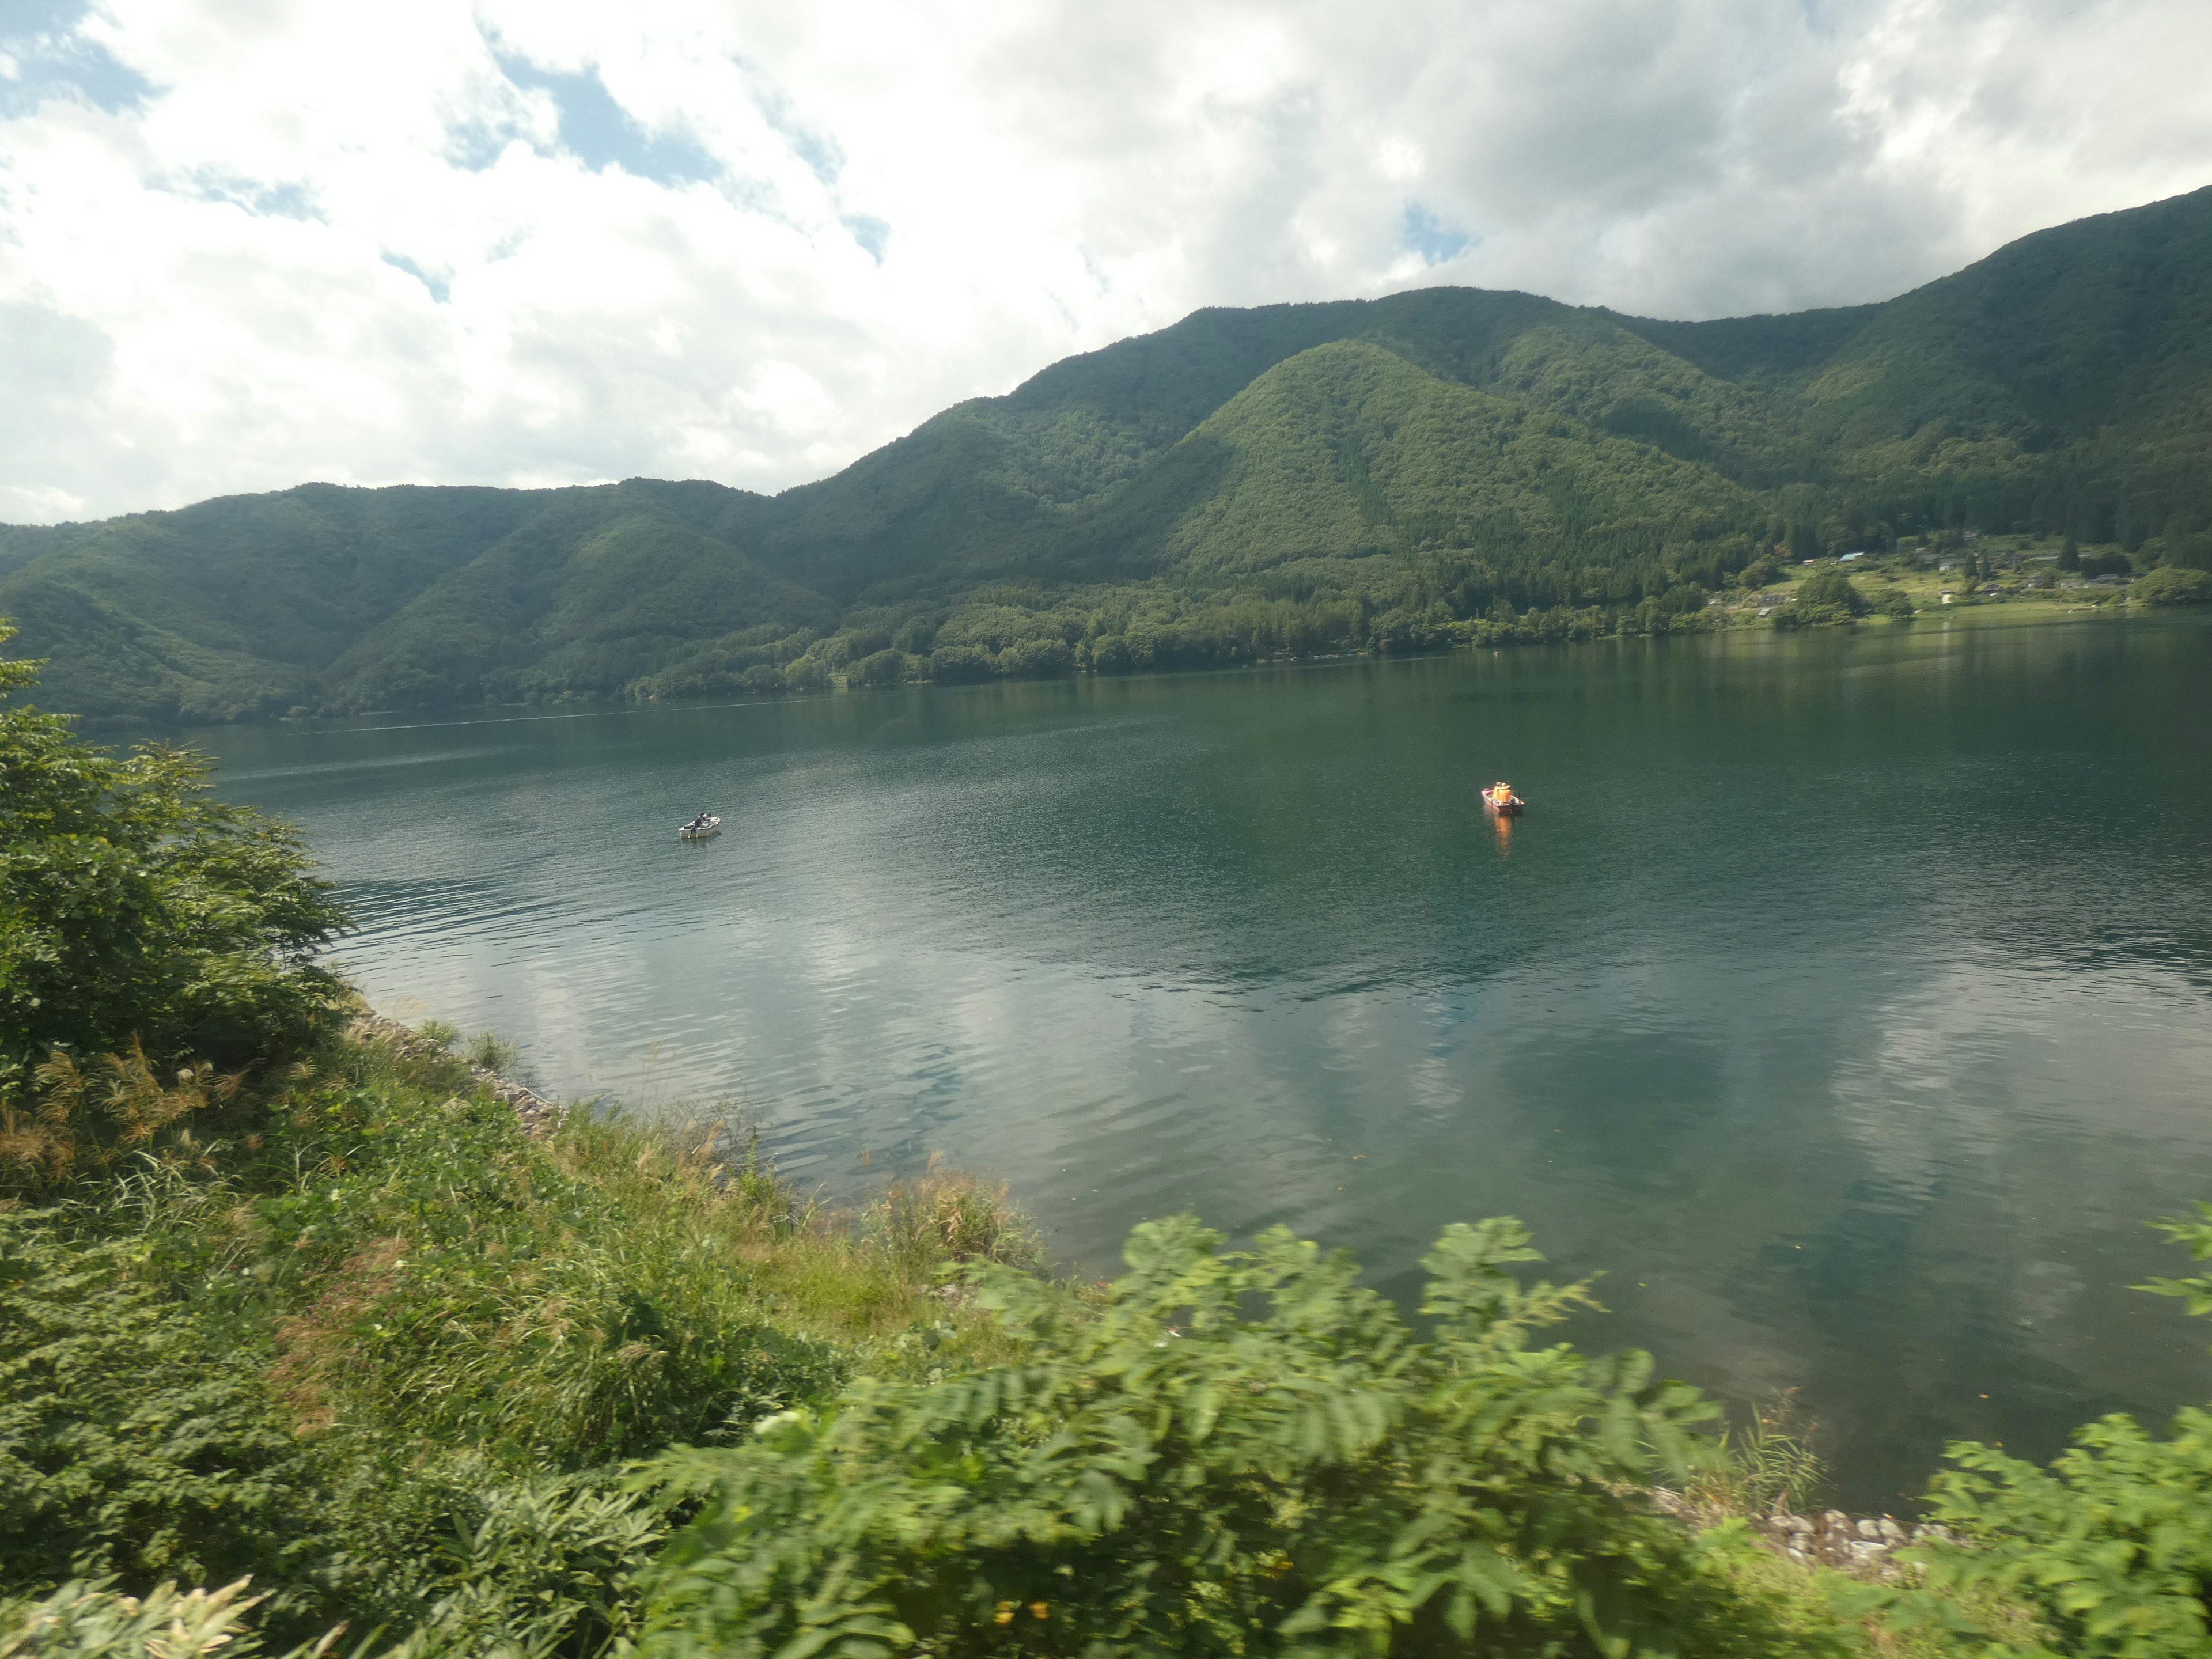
(439, 1340)
(1767, 1463)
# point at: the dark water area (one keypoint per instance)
(1847, 1000)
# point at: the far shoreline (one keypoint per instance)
(1972, 613)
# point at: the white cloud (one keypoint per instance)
(242, 246)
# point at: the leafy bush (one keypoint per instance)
(1832, 588)
(960, 664)
(2171, 585)
(473, 1559)
(1895, 602)
(134, 910)
(1236, 1453)
(2111, 1545)
(92, 1620)
(135, 1439)
(1802, 615)
(886, 668)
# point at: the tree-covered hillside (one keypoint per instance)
(1344, 476)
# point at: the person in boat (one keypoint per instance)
(699, 822)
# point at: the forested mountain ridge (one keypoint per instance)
(1333, 476)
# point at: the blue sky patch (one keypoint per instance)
(871, 233)
(600, 132)
(285, 200)
(1425, 234)
(440, 290)
(52, 60)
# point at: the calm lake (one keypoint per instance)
(1847, 999)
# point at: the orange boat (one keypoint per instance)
(1500, 799)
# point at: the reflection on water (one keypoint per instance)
(1811, 1004)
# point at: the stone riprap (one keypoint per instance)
(538, 1115)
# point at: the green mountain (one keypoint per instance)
(1355, 475)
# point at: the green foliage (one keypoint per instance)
(1832, 588)
(453, 1285)
(135, 910)
(134, 1436)
(488, 1051)
(90, 1620)
(951, 1217)
(1235, 1452)
(378, 1348)
(471, 1560)
(1767, 1464)
(884, 667)
(2174, 586)
(2113, 1544)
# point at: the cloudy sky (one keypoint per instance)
(245, 243)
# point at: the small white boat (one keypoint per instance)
(700, 828)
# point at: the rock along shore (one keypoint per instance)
(1864, 1545)
(538, 1115)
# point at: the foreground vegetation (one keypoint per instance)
(305, 1342)
(1396, 475)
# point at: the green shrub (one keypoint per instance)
(94, 1621)
(2171, 585)
(961, 664)
(136, 1439)
(1236, 1453)
(879, 668)
(1802, 614)
(134, 910)
(475, 1561)
(2111, 1545)
(1832, 588)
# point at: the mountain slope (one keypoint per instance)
(1421, 456)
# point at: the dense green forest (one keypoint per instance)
(310, 1343)
(1356, 476)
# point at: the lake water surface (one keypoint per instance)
(1847, 1000)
